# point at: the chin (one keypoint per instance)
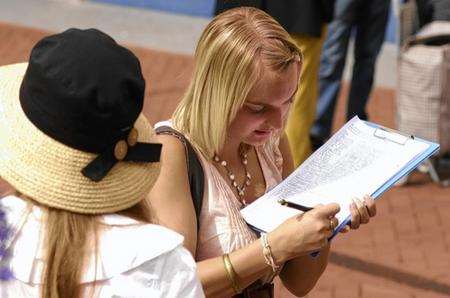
(255, 140)
(254, 143)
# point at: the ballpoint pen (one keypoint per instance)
(294, 205)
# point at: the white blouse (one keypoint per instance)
(133, 259)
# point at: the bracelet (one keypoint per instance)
(232, 276)
(267, 252)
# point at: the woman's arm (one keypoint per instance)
(172, 207)
(170, 197)
(299, 275)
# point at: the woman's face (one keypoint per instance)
(266, 107)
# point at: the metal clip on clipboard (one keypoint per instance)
(392, 135)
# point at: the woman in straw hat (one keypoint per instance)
(246, 74)
(77, 150)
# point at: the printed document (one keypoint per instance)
(356, 161)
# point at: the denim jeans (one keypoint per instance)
(368, 19)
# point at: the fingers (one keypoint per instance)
(363, 212)
(356, 219)
(324, 243)
(370, 205)
(327, 211)
(299, 216)
(334, 222)
(345, 229)
(332, 225)
(328, 226)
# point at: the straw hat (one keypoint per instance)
(72, 135)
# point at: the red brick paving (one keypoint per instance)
(403, 253)
(167, 75)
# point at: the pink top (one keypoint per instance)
(222, 228)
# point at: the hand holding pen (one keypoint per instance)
(304, 233)
(333, 221)
(361, 211)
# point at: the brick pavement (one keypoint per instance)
(404, 252)
(167, 75)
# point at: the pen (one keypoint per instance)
(294, 205)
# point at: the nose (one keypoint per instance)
(276, 118)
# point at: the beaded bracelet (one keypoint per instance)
(232, 276)
(267, 252)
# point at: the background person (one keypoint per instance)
(368, 19)
(77, 150)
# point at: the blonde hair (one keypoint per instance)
(232, 53)
(67, 238)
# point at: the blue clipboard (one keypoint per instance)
(408, 168)
(400, 139)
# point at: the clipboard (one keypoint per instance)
(401, 139)
(252, 212)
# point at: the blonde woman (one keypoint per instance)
(246, 74)
(77, 150)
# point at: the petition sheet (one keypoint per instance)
(356, 161)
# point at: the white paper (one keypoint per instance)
(356, 161)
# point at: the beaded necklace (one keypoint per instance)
(232, 177)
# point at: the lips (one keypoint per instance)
(263, 132)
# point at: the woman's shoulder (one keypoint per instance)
(119, 226)
(172, 140)
(125, 244)
(122, 243)
(144, 259)
(116, 228)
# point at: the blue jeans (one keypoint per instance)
(368, 18)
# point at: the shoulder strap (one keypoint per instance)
(195, 171)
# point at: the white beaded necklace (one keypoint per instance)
(232, 177)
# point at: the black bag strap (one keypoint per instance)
(196, 175)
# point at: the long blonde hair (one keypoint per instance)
(67, 237)
(231, 55)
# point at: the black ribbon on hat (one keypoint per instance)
(97, 169)
(85, 91)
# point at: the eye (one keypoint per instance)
(255, 108)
